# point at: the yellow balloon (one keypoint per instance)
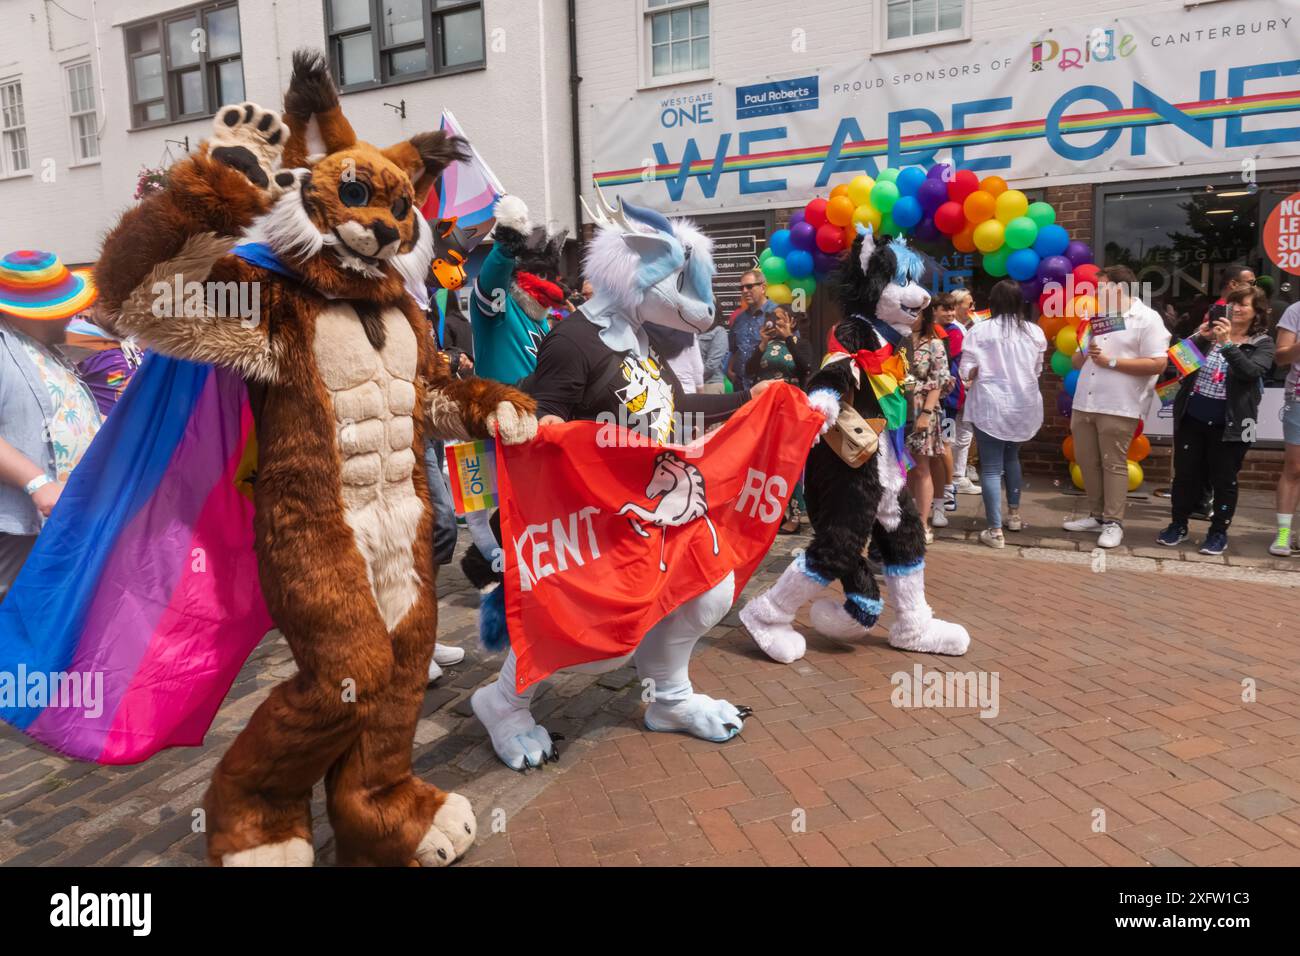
(1012, 204)
(1076, 475)
(867, 215)
(1067, 340)
(989, 235)
(1134, 475)
(860, 189)
(780, 294)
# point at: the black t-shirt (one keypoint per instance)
(579, 377)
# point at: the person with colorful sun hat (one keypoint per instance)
(47, 415)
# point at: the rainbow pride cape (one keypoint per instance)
(140, 601)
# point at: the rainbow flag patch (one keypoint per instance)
(1187, 358)
(472, 466)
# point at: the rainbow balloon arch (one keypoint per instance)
(1015, 238)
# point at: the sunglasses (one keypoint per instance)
(746, 286)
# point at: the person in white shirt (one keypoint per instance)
(1288, 485)
(964, 304)
(1117, 376)
(1001, 360)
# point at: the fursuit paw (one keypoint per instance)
(828, 403)
(453, 830)
(772, 631)
(292, 852)
(831, 619)
(518, 740)
(512, 425)
(937, 637)
(699, 716)
(251, 139)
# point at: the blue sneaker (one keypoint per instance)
(1172, 536)
(1216, 542)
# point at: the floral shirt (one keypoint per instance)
(76, 416)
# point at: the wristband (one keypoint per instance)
(36, 484)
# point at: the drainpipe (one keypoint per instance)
(574, 80)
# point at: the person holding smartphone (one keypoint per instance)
(1216, 414)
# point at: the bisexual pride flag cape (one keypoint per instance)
(140, 601)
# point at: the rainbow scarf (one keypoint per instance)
(885, 369)
(140, 601)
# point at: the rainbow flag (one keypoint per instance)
(1187, 358)
(140, 601)
(472, 466)
(1167, 390)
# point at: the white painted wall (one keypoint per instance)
(501, 108)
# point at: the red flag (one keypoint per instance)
(605, 533)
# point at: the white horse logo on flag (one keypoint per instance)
(679, 490)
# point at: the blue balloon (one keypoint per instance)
(780, 244)
(1052, 241)
(1022, 264)
(907, 212)
(909, 181)
(1071, 381)
(799, 263)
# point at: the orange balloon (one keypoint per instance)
(964, 241)
(850, 233)
(979, 207)
(841, 190)
(1139, 448)
(839, 211)
(993, 185)
(1051, 325)
(1067, 447)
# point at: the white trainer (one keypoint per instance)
(964, 486)
(1111, 535)
(448, 655)
(938, 519)
(1082, 524)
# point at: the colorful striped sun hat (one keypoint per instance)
(36, 285)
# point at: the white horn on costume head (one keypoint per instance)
(868, 244)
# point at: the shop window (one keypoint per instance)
(677, 34)
(13, 130)
(378, 42)
(81, 111)
(915, 22)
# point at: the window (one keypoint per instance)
(375, 42)
(13, 130)
(185, 64)
(925, 20)
(81, 109)
(679, 37)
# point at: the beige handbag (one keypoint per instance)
(854, 438)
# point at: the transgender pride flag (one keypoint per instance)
(143, 582)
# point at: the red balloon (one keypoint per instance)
(962, 185)
(830, 238)
(815, 213)
(950, 218)
(1138, 433)
(1086, 273)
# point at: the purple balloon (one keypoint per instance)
(1079, 253)
(795, 218)
(1032, 289)
(932, 194)
(824, 264)
(1064, 403)
(1055, 269)
(803, 236)
(927, 231)
(938, 171)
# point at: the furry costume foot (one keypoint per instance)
(699, 716)
(453, 830)
(769, 617)
(292, 852)
(518, 740)
(915, 626)
(830, 618)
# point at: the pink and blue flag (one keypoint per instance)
(140, 601)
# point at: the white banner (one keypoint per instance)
(1207, 84)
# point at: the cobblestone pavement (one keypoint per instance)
(1121, 737)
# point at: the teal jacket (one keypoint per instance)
(508, 323)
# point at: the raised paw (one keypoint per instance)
(699, 716)
(251, 139)
(512, 426)
(938, 637)
(451, 834)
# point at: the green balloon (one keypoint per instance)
(1061, 363)
(887, 176)
(807, 285)
(1021, 233)
(1042, 214)
(774, 271)
(887, 225)
(883, 196)
(995, 263)
(765, 255)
